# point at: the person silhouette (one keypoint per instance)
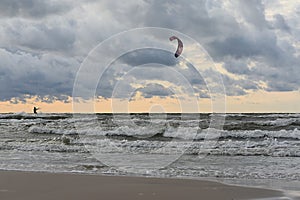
(35, 109)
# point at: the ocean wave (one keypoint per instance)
(215, 134)
(260, 134)
(270, 122)
(267, 147)
(54, 131)
(42, 146)
(125, 131)
(272, 148)
(162, 131)
(23, 115)
(281, 122)
(277, 124)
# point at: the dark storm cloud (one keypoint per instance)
(145, 56)
(238, 87)
(195, 79)
(234, 66)
(48, 77)
(278, 79)
(108, 82)
(240, 34)
(237, 47)
(153, 89)
(149, 61)
(247, 45)
(32, 8)
(44, 42)
(281, 86)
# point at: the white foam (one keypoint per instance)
(278, 122)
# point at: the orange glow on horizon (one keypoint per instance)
(260, 101)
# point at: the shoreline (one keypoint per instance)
(44, 185)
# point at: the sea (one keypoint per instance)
(261, 150)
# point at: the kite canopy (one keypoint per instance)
(179, 47)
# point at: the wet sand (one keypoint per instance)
(46, 186)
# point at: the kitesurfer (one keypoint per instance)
(35, 109)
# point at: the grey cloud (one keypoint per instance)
(145, 56)
(282, 81)
(237, 47)
(233, 87)
(32, 8)
(281, 86)
(247, 45)
(252, 12)
(231, 42)
(188, 17)
(114, 81)
(153, 89)
(234, 66)
(46, 38)
(236, 35)
(221, 34)
(280, 23)
(196, 80)
(59, 36)
(131, 13)
(277, 78)
(107, 84)
(47, 77)
(297, 10)
(119, 79)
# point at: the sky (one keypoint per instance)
(254, 45)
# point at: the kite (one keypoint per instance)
(179, 47)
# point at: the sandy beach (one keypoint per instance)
(36, 186)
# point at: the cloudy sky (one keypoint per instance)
(253, 44)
